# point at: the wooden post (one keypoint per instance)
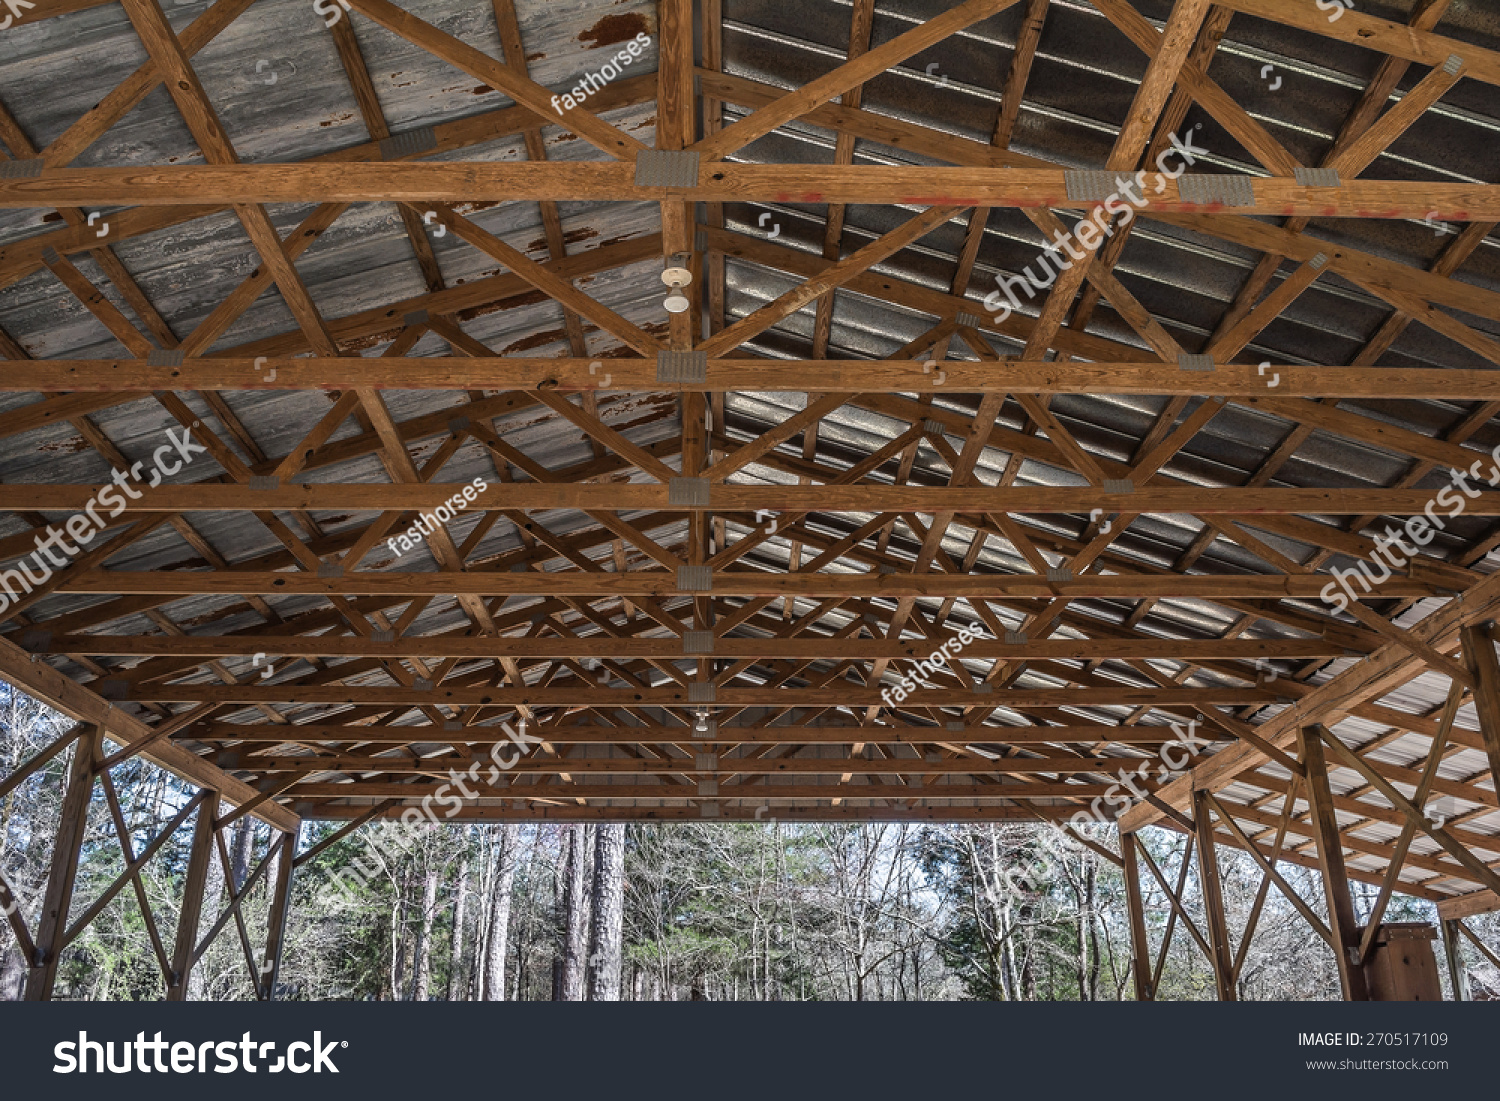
(1479, 656)
(1222, 957)
(1452, 945)
(1341, 918)
(71, 827)
(276, 921)
(192, 897)
(1140, 947)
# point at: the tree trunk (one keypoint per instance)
(399, 938)
(1028, 973)
(213, 904)
(560, 880)
(605, 949)
(576, 911)
(458, 987)
(500, 897)
(422, 963)
(521, 976)
(1091, 898)
(241, 849)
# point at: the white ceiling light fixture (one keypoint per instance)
(676, 275)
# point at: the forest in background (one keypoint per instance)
(764, 911)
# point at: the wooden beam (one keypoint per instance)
(810, 648)
(1458, 973)
(586, 694)
(1479, 656)
(134, 380)
(1214, 501)
(1469, 905)
(941, 186)
(1341, 918)
(579, 734)
(747, 583)
(1212, 887)
(57, 900)
(1140, 945)
(666, 789)
(196, 879)
(748, 811)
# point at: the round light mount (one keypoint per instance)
(676, 273)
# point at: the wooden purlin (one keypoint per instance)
(425, 182)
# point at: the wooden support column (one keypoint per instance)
(1222, 956)
(1452, 948)
(1140, 947)
(1479, 656)
(1331, 865)
(281, 892)
(72, 824)
(192, 898)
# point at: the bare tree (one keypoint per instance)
(575, 914)
(458, 988)
(422, 951)
(501, 890)
(241, 849)
(605, 949)
(199, 988)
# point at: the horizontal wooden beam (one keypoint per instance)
(715, 765)
(572, 812)
(46, 9)
(719, 182)
(759, 793)
(1469, 905)
(82, 704)
(586, 695)
(747, 583)
(634, 375)
(722, 498)
(724, 734)
(805, 647)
